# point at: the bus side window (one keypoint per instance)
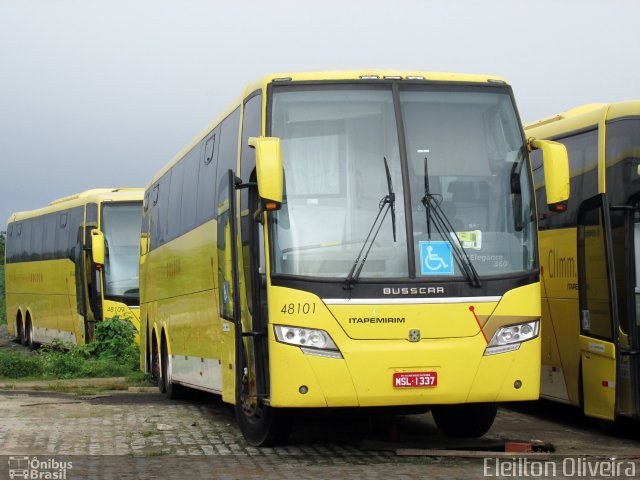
(188, 217)
(159, 211)
(16, 251)
(205, 203)
(37, 238)
(62, 235)
(26, 240)
(9, 244)
(175, 200)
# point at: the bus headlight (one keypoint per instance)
(508, 339)
(311, 341)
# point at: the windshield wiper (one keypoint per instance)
(387, 203)
(435, 214)
(391, 198)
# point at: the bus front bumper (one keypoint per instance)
(364, 377)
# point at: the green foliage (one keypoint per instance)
(16, 365)
(112, 354)
(114, 339)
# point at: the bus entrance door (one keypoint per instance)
(625, 224)
(598, 309)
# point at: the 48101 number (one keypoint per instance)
(298, 308)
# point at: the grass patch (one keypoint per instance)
(112, 354)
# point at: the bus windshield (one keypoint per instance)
(464, 141)
(121, 228)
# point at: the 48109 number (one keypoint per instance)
(298, 308)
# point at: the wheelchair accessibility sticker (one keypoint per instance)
(436, 258)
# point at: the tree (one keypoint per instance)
(2, 237)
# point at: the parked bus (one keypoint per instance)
(350, 239)
(590, 259)
(73, 263)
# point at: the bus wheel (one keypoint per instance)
(471, 420)
(28, 334)
(172, 390)
(155, 367)
(20, 332)
(261, 425)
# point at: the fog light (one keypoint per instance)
(303, 389)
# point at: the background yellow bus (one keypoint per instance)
(73, 263)
(590, 257)
(350, 239)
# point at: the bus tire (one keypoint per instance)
(20, 331)
(172, 390)
(156, 369)
(264, 426)
(471, 420)
(28, 334)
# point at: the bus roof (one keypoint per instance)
(584, 116)
(95, 195)
(328, 76)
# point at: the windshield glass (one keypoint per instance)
(478, 176)
(121, 228)
(335, 139)
(334, 144)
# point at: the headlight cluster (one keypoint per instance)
(507, 339)
(311, 341)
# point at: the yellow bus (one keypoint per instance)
(350, 239)
(590, 261)
(73, 263)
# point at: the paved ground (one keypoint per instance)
(123, 435)
(144, 435)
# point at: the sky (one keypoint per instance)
(104, 93)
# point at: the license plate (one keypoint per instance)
(415, 379)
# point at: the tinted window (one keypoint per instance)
(49, 239)
(175, 200)
(251, 127)
(146, 214)
(75, 231)
(207, 178)
(37, 235)
(159, 211)
(190, 189)
(9, 241)
(26, 241)
(228, 155)
(16, 248)
(62, 235)
(622, 158)
(154, 212)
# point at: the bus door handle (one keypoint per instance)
(254, 334)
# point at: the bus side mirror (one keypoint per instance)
(556, 172)
(269, 173)
(97, 247)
